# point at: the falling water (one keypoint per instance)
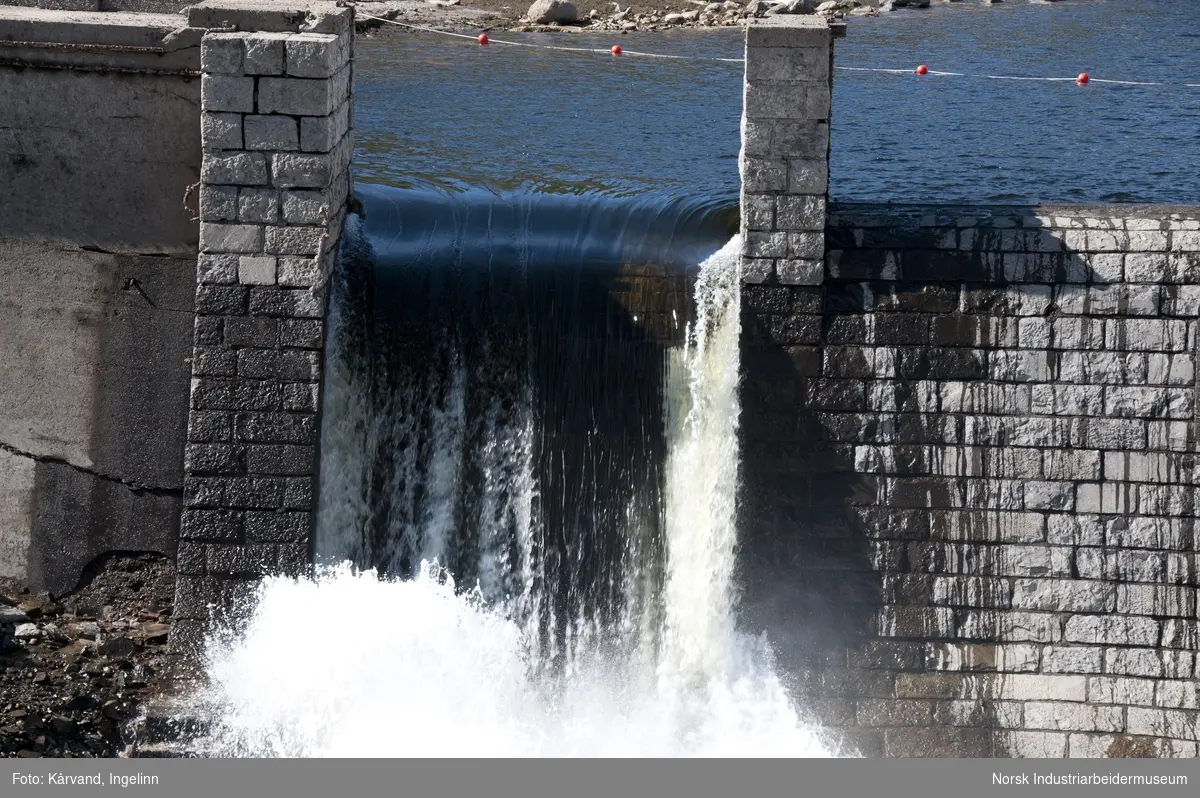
(520, 556)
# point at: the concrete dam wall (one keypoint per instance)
(98, 145)
(968, 433)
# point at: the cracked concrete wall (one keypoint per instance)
(97, 257)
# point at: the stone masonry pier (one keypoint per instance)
(969, 447)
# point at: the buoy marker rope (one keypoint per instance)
(1081, 79)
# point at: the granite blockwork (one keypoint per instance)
(275, 125)
(969, 467)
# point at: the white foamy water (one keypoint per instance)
(351, 664)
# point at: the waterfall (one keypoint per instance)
(526, 522)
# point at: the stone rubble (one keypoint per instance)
(561, 16)
(75, 672)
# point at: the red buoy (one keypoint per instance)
(922, 69)
(616, 49)
(483, 39)
(1082, 79)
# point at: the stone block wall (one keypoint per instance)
(784, 162)
(275, 123)
(969, 474)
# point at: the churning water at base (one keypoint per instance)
(515, 565)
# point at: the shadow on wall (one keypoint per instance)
(880, 415)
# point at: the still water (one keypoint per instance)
(442, 111)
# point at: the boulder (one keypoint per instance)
(545, 12)
(795, 7)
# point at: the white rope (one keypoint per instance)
(742, 60)
(551, 46)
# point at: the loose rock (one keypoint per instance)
(545, 12)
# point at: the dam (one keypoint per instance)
(941, 455)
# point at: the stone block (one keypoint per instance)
(800, 139)
(1112, 630)
(292, 302)
(765, 245)
(1073, 659)
(1146, 267)
(234, 238)
(222, 53)
(219, 131)
(272, 364)
(1032, 744)
(314, 55)
(807, 176)
(788, 64)
(1064, 595)
(787, 31)
(301, 171)
(213, 362)
(217, 270)
(301, 396)
(1009, 627)
(256, 332)
(258, 205)
(757, 270)
(1185, 241)
(1152, 663)
(322, 133)
(294, 240)
(758, 212)
(1177, 723)
(1010, 658)
(237, 169)
(264, 53)
(276, 428)
(882, 712)
(1099, 746)
(278, 527)
(1120, 690)
(218, 203)
(211, 525)
(281, 460)
(271, 133)
(1178, 694)
(225, 93)
(979, 714)
(212, 393)
(761, 175)
(299, 273)
(300, 97)
(256, 270)
(801, 213)
(807, 246)
(1161, 601)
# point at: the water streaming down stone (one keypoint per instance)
(529, 471)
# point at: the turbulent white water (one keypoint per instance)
(356, 665)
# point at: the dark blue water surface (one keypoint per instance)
(442, 111)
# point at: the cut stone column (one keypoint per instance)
(275, 181)
(784, 160)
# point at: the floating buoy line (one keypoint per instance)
(483, 40)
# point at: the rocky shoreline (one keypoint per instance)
(76, 672)
(587, 16)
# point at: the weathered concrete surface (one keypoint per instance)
(97, 256)
(106, 164)
(95, 374)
